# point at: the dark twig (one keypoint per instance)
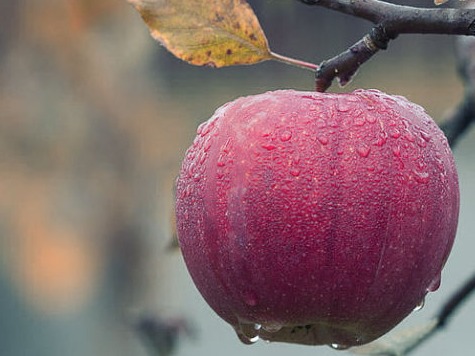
(455, 301)
(391, 20)
(345, 65)
(460, 119)
(161, 335)
(398, 19)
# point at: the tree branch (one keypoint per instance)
(398, 19)
(391, 20)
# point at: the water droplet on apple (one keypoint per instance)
(395, 133)
(435, 284)
(420, 305)
(335, 346)
(269, 146)
(409, 136)
(295, 171)
(227, 146)
(421, 177)
(285, 136)
(363, 151)
(422, 143)
(359, 121)
(248, 333)
(321, 123)
(370, 118)
(344, 105)
(425, 136)
(322, 139)
(397, 151)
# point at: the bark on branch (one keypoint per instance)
(390, 21)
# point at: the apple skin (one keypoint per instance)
(317, 218)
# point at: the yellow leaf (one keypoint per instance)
(440, 2)
(206, 32)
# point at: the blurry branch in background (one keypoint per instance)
(404, 342)
(161, 335)
(460, 119)
(390, 21)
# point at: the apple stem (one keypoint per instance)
(294, 62)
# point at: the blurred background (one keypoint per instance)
(94, 119)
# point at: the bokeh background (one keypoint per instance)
(94, 119)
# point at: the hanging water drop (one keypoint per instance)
(248, 333)
(335, 346)
(420, 305)
(435, 284)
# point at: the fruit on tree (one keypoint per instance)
(317, 218)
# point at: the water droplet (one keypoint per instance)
(363, 151)
(420, 305)
(248, 333)
(202, 158)
(435, 284)
(296, 158)
(409, 136)
(205, 127)
(381, 140)
(422, 143)
(421, 177)
(370, 118)
(425, 136)
(269, 146)
(207, 144)
(397, 151)
(285, 136)
(343, 105)
(359, 121)
(272, 328)
(221, 162)
(266, 133)
(321, 123)
(186, 192)
(227, 146)
(395, 133)
(295, 171)
(336, 346)
(247, 340)
(322, 139)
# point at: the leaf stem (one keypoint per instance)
(294, 62)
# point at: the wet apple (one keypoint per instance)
(317, 218)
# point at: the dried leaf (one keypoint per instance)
(207, 32)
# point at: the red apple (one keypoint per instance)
(317, 218)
